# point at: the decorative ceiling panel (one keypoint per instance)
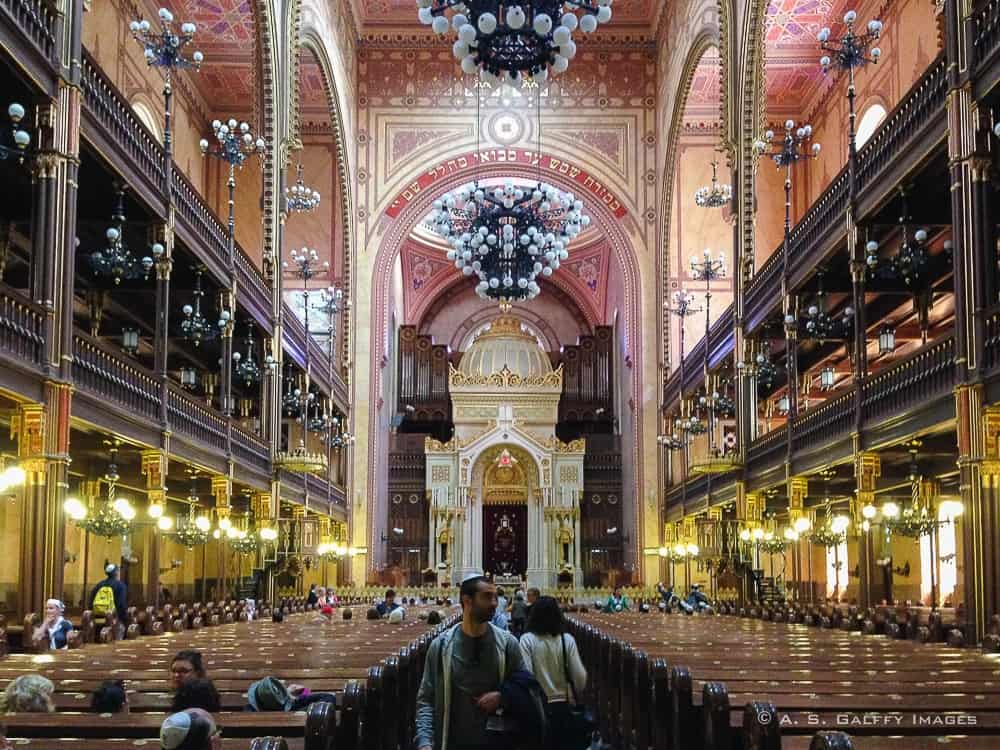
(220, 22)
(404, 13)
(796, 22)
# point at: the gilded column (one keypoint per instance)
(867, 470)
(154, 469)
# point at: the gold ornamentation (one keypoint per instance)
(301, 460)
(569, 474)
(440, 474)
(505, 379)
(716, 465)
(27, 426)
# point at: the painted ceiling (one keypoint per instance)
(381, 13)
(427, 273)
(792, 52)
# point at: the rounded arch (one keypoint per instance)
(265, 26)
(311, 41)
(519, 450)
(390, 243)
(145, 111)
(871, 117)
(707, 39)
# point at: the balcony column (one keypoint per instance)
(222, 491)
(798, 490)
(154, 468)
(867, 470)
(164, 234)
(227, 301)
(42, 434)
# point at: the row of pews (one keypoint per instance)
(372, 666)
(921, 624)
(677, 682)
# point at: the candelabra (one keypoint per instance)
(196, 327)
(295, 403)
(820, 325)
(164, 48)
(682, 307)
(715, 195)
(235, 144)
(298, 197)
(852, 50)
(339, 437)
(793, 148)
(910, 262)
(116, 261)
(708, 270)
(20, 139)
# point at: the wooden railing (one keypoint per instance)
(985, 21)
(21, 326)
(926, 374)
(825, 218)
(103, 372)
(768, 445)
(824, 422)
(251, 450)
(123, 130)
(193, 419)
(212, 234)
(36, 21)
(925, 99)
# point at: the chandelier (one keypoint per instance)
(247, 369)
(714, 195)
(911, 260)
(339, 437)
(241, 540)
(194, 530)
(116, 261)
(820, 325)
(115, 516)
(507, 235)
(196, 327)
(298, 197)
(851, 50)
(519, 38)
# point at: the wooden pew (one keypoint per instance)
(704, 670)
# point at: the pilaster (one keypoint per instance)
(867, 470)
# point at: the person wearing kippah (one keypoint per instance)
(54, 628)
(193, 729)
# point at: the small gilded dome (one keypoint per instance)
(505, 343)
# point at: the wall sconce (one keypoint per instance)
(887, 340)
(827, 378)
(130, 340)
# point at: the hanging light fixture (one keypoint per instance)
(339, 437)
(820, 325)
(887, 340)
(189, 378)
(115, 516)
(516, 39)
(827, 378)
(298, 197)
(162, 47)
(910, 262)
(116, 261)
(247, 369)
(130, 340)
(507, 236)
(195, 327)
(715, 195)
(193, 530)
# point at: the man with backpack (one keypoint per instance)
(475, 692)
(109, 596)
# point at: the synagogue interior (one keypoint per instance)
(685, 313)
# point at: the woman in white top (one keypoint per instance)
(550, 653)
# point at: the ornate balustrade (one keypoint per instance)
(720, 337)
(21, 327)
(819, 230)
(293, 485)
(190, 418)
(101, 372)
(914, 381)
(826, 421)
(760, 296)
(253, 290)
(112, 126)
(985, 33)
(35, 25)
(200, 228)
(251, 450)
(768, 448)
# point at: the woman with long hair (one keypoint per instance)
(550, 653)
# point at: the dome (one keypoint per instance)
(505, 343)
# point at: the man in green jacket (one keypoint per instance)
(617, 602)
(465, 667)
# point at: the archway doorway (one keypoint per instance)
(505, 541)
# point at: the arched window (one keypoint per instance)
(869, 121)
(147, 118)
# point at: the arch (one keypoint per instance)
(311, 41)
(705, 40)
(145, 112)
(869, 121)
(390, 243)
(521, 451)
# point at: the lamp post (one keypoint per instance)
(793, 148)
(164, 48)
(683, 307)
(707, 269)
(305, 265)
(853, 50)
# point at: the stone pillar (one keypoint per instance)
(867, 470)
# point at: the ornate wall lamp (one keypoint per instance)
(19, 138)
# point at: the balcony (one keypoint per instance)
(34, 28)
(21, 329)
(985, 32)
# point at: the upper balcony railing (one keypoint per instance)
(193, 419)
(915, 380)
(834, 416)
(251, 450)
(36, 22)
(985, 32)
(102, 372)
(21, 327)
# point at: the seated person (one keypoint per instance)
(110, 698)
(197, 693)
(396, 616)
(313, 597)
(617, 602)
(271, 694)
(28, 694)
(186, 665)
(697, 599)
(54, 628)
(388, 604)
(193, 729)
